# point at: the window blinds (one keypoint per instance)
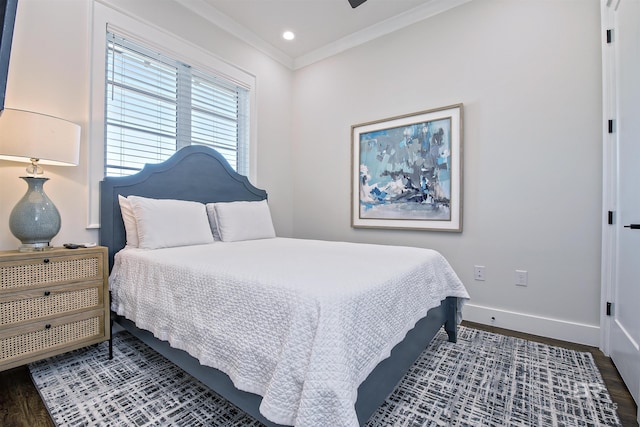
(156, 105)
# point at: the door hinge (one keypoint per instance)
(610, 124)
(609, 36)
(610, 218)
(609, 308)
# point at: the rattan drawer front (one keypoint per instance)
(41, 340)
(50, 271)
(21, 310)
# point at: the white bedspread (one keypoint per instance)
(300, 322)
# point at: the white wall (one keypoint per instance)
(529, 76)
(50, 72)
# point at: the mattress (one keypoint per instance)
(299, 322)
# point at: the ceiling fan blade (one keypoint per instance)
(356, 3)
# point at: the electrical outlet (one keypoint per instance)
(522, 278)
(478, 272)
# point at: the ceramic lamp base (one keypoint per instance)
(34, 220)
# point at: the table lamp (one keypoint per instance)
(40, 140)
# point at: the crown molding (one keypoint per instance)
(373, 32)
(365, 35)
(223, 21)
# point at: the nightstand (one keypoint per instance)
(52, 302)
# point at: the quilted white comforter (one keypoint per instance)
(300, 322)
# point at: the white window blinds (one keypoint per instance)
(156, 105)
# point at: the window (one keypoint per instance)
(156, 105)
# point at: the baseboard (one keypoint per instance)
(537, 325)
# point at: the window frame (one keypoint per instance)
(169, 44)
(197, 104)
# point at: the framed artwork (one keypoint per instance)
(407, 171)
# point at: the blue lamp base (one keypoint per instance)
(34, 220)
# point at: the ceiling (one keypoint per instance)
(322, 27)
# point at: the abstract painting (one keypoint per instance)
(407, 171)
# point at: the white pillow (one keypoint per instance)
(130, 226)
(244, 221)
(211, 213)
(164, 223)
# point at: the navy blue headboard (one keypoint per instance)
(195, 173)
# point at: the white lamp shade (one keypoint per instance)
(25, 135)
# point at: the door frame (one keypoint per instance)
(609, 171)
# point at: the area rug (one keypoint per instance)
(484, 379)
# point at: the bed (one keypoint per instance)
(302, 332)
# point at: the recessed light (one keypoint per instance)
(288, 35)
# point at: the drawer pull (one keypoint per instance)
(47, 326)
(47, 293)
(46, 260)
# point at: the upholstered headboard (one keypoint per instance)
(195, 173)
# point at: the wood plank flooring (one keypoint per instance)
(21, 405)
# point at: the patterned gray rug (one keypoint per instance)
(483, 380)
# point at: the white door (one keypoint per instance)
(624, 169)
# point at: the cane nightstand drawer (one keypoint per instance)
(52, 302)
(35, 305)
(49, 269)
(24, 345)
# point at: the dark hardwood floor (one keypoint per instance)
(21, 406)
(20, 403)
